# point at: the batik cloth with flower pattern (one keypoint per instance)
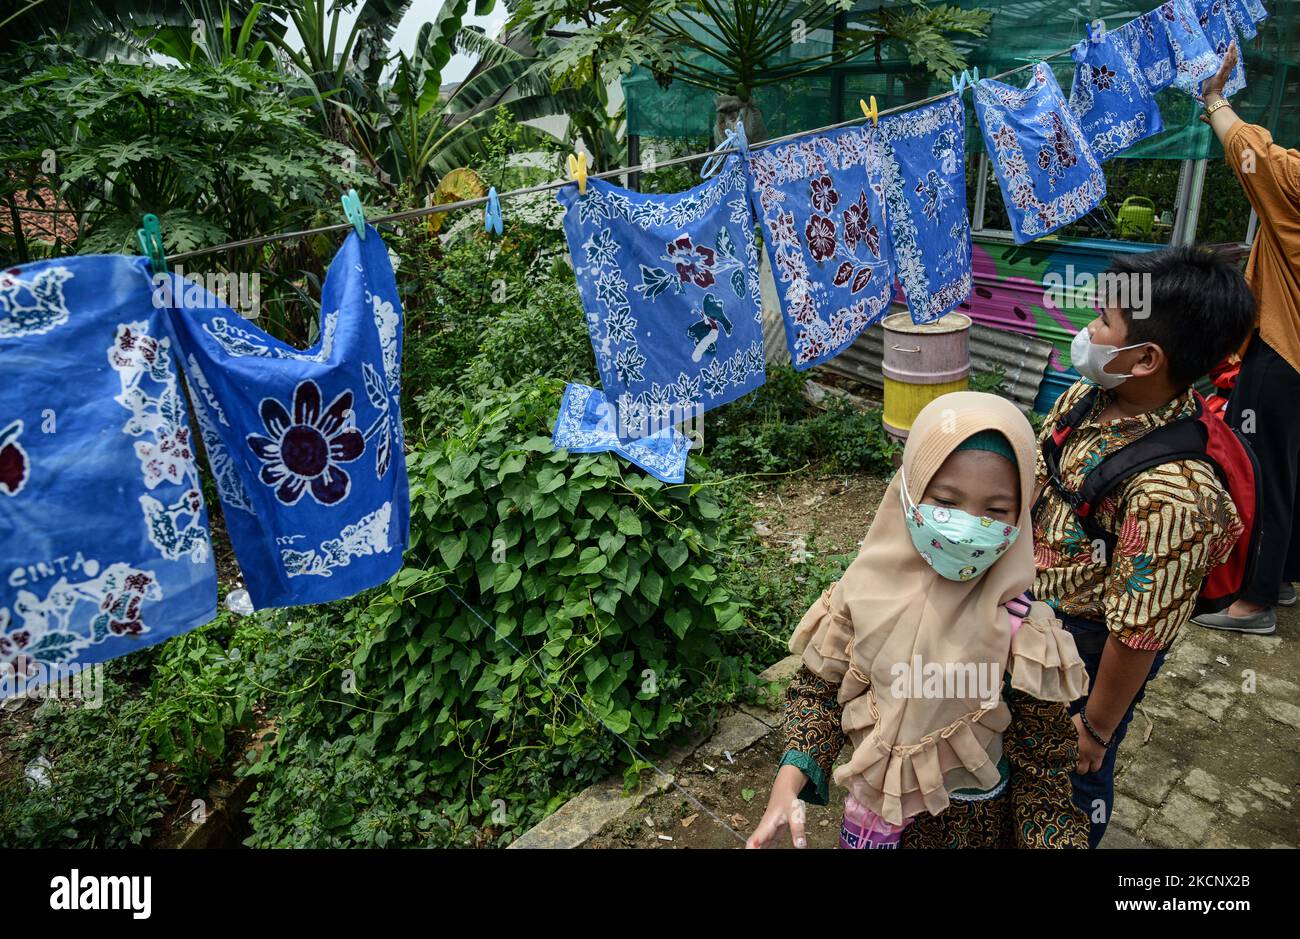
(821, 199)
(670, 288)
(586, 424)
(1246, 15)
(1219, 21)
(103, 531)
(924, 175)
(1110, 97)
(1170, 48)
(1048, 174)
(306, 446)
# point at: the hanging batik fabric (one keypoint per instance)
(1110, 97)
(923, 170)
(1246, 16)
(587, 424)
(306, 447)
(821, 201)
(1047, 172)
(670, 287)
(1216, 22)
(1170, 48)
(104, 547)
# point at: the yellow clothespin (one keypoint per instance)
(870, 112)
(578, 170)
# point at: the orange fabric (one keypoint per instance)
(1270, 176)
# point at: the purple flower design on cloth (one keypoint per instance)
(302, 451)
(820, 232)
(824, 196)
(693, 262)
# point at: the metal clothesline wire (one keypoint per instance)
(556, 184)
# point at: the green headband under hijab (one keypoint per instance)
(991, 440)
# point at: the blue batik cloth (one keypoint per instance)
(1170, 47)
(1246, 16)
(1047, 172)
(104, 541)
(924, 176)
(821, 201)
(587, 423)
(1217, 23)
(306, 447)
(670, 287)
(1110, 97)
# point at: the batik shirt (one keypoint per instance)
(306, 446)
(820, 199)
(924, 176)
(1110, 97)
(1030, 808)
(670, 288)
(104, 547)
(1173, 523)
(1047, 172)
(587, 424)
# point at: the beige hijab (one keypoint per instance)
(909, 752)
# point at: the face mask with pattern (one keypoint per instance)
(958, 545)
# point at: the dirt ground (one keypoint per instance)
(1212, 758)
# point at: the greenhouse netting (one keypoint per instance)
(1021, 31)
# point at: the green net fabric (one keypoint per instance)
(1021, 31)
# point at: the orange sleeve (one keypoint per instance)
(1269, 174)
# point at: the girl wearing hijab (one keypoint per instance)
(929, 660)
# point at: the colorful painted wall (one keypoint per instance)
(1009, 294)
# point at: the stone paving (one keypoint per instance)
(1212, 758)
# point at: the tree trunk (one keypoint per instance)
(728, 109)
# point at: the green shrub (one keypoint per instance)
(333, 794)
(101, 790)
(592, 613)
(545, 335)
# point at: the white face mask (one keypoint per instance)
(1090, 360)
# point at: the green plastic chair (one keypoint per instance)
(1136, 217)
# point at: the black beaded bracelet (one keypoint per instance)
(1092, 732)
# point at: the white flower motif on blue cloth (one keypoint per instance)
(587, 423)
(924, 175)
(820, 201)
(669, 284)
(1110, 97)
(1048, 173)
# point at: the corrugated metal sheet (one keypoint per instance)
(774, 344)
(1023, 359)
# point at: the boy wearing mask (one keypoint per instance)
(1168, 525)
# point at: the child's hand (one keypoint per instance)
(1091, 753)
(784, 807)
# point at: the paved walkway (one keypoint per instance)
(1212, 758)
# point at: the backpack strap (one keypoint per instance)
(1183, 439)
(1055, 443)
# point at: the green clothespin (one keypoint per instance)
(352, 211)
(151, 243)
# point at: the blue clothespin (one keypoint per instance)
(492, 213)
(353, 213)
(716, 159)
(149, 235)
(958, 83)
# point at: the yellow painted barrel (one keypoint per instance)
(922, 362)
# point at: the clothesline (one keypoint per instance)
(556, 184)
